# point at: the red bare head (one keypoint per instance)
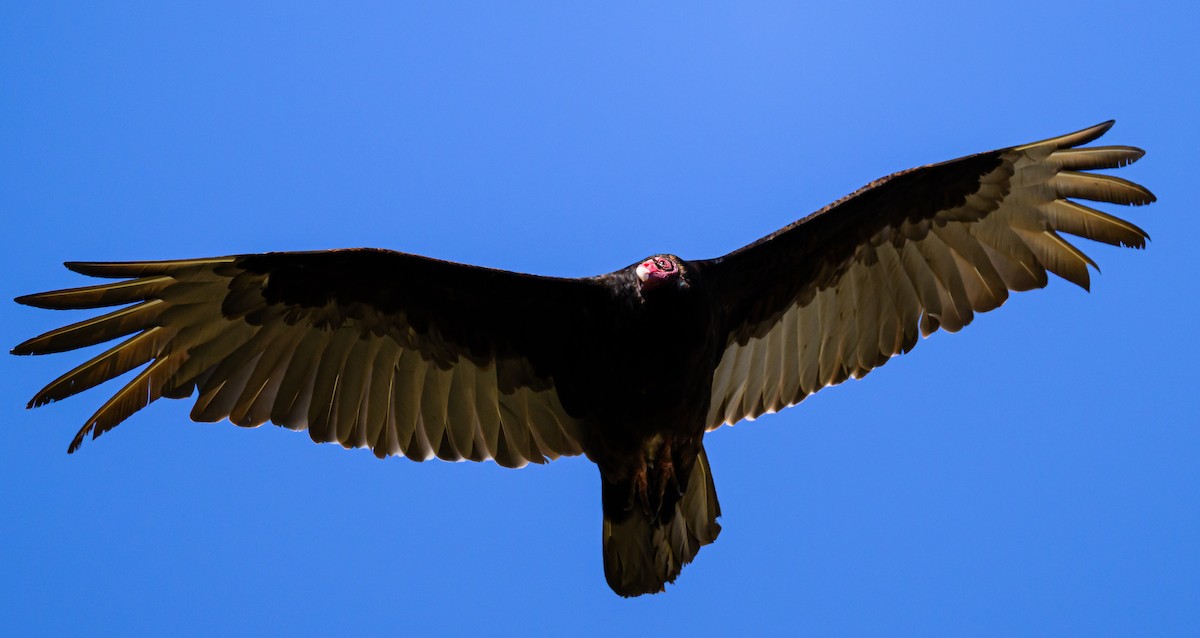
(657, 271)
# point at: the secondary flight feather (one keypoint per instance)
(408, 355)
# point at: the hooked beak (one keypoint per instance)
(643, 273)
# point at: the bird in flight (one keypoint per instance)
(409, 355)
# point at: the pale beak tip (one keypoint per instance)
(643, 273)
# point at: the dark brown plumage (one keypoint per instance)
(409, 355)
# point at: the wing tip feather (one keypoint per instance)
(1091, 133)
(1085, 135)
(131, 269)
(81, 435)
(28, 300)
(1071, 140)
(88, 267)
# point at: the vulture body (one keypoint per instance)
(409, 355)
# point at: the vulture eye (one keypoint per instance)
(663, 264)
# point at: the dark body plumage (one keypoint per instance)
(409, 355)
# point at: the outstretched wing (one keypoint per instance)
(368, 348)
(839, 292)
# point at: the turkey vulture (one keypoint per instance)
(408, 355)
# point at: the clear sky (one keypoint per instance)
(1036, 474)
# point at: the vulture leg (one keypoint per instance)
(639, 486)
(664, 470)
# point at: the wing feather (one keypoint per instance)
(752, 396)
(220, 392)
(1059, 257)
(352, 393)
(406, 403)
(810, 349)
(738, 376)
(986, 287)
(97, 330)
(434, 413)
(830, 340)
(383, 374)
(891, 284)
(870, 316)
(136, 395)
(487, 408)
(1083, 221)
(550, 438)
(925, 285)
(214, 345)
(1101, 188)
(88, 297)
(461, 419)
(789, 375)
(954, 302)
(520, 442)
(1096, 157)
(1010, 255)
(145, 269)
(112, 363)
(296, 386)
(322, 416)
(274, 347)
(259, 411)
(388, 444)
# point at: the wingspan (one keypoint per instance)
(367, 348)
(839, 292)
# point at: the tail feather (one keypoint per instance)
(642, 553)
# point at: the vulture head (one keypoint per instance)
(659, 270)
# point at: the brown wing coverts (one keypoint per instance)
(839, 292)
(367, 348)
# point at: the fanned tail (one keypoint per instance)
(642, 552)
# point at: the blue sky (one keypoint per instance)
(1035, 474)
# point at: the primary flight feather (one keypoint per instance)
(409, 355)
